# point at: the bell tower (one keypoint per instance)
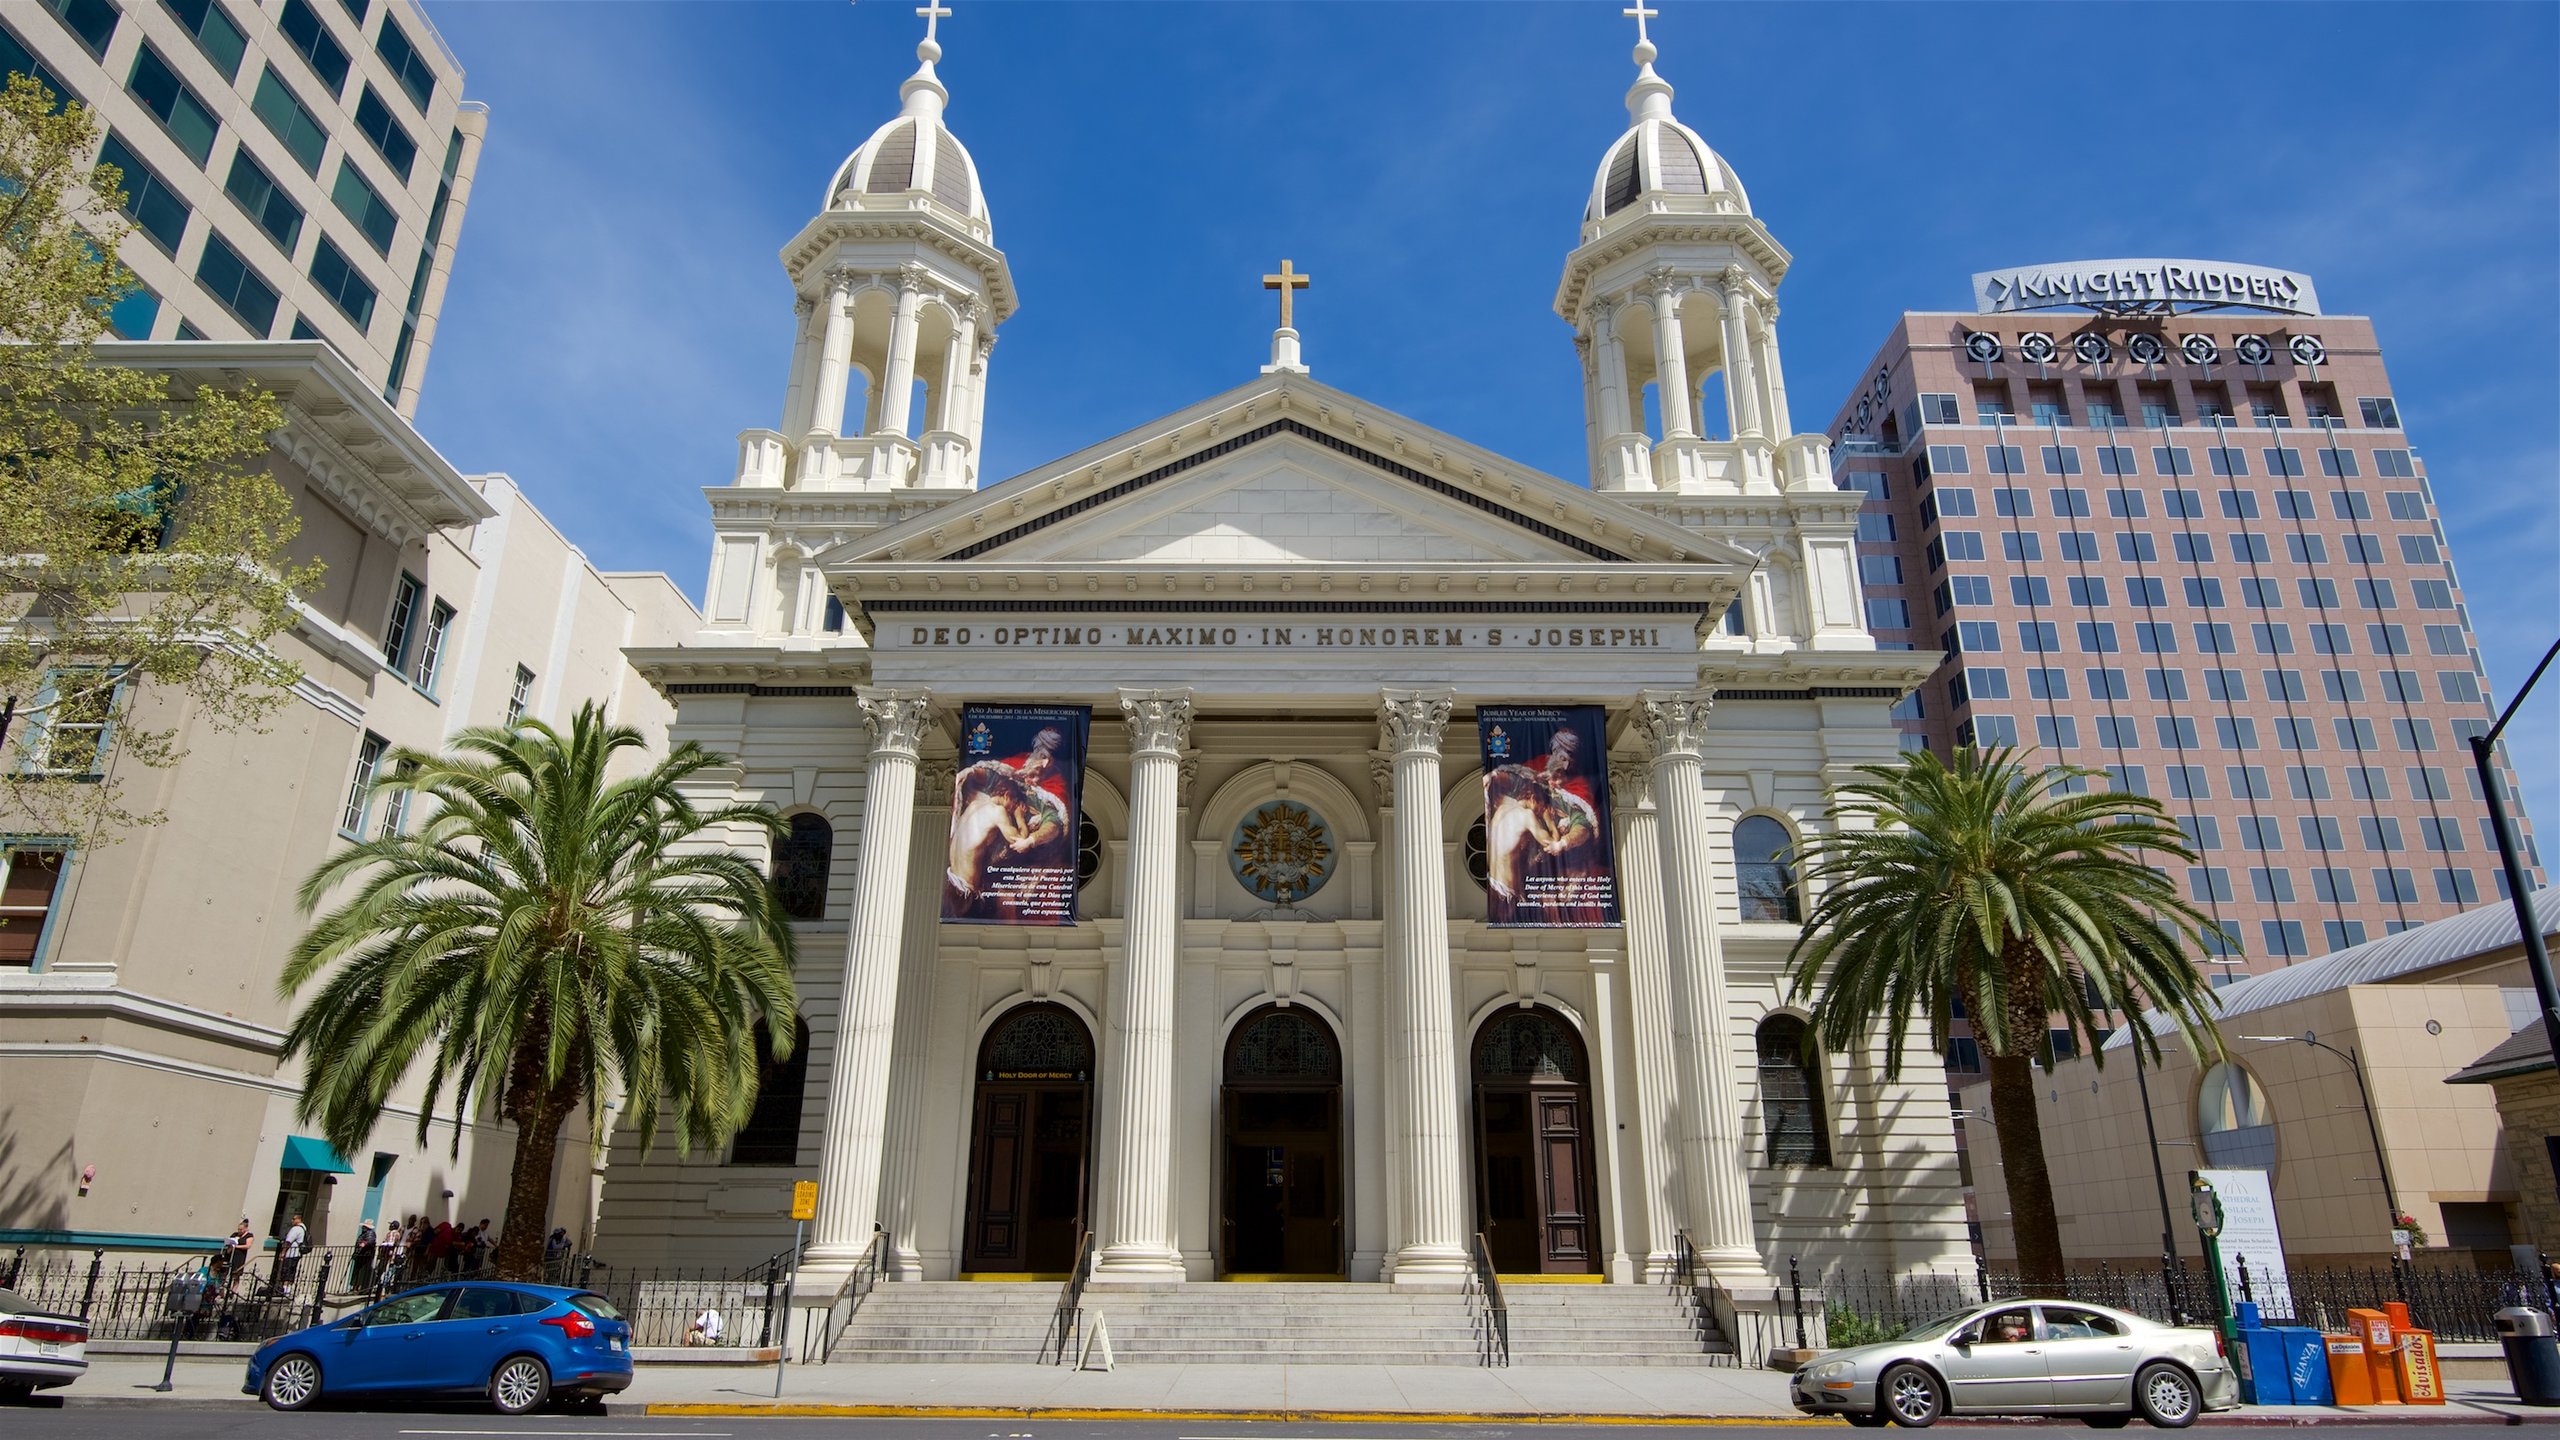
(899, 288)
(1672, 295)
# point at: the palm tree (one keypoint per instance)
(2020, 892)
(547, 937)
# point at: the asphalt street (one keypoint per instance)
(175, 1421)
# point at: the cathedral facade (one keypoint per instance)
(1396, 835)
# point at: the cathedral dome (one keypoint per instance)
(1660, 156)
(914, 154)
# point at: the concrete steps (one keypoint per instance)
(1302, 1324)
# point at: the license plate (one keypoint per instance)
(617, 1343)
(48, 1347)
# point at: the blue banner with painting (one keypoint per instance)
(1549, 861)
(1016, 809)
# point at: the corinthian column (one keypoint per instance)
(1671, 365)
(1136, 1233)
(866, 1015)
(1649, 1001)
(898, 385)
(1714, 1187)
(835, 353)
(1741, 376)
(1430, 1229)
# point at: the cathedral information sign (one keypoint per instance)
(1014, 810)
(1546, 817)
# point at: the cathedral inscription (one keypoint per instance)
(1153, 636)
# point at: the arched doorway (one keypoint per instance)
(1280, 1117)
(1534, 1185)
(1028, 1143)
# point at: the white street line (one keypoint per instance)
(635, 1434)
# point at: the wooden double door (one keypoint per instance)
(1535, 1187)
(1030, 1143)
(1280, 1129)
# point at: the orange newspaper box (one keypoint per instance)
(2350, 1376)
(2420, 1382)
(2382, 1364)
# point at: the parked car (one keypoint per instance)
(39, 1350)
(519, 1345)
(2053, 1357)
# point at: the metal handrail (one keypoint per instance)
(1684, 1260)
(1497, 1311)
(848, 1298)
(1068, 1321)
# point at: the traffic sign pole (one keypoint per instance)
(804, 1208)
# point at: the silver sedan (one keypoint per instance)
(2025, 1357)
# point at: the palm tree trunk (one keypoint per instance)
(2031, 1212)
(519, 1252)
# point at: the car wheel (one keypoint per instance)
(293, 1383)
(2105, 1422)
(520, 1385)
(1912, 1397)
(2166, 1396)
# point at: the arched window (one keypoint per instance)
(1760, 869)
(1790, 1101)
(771, 1135)
(1088, 850)
(1475, 855)
(2238, 1125)
(801, 860)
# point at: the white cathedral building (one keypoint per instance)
(1284, 605)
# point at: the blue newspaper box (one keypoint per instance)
(2306, 1364)
(2265, 1373)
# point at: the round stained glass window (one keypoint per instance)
(1282, 851)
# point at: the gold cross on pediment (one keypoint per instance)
(1285, 282)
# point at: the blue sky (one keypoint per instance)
(618, 313)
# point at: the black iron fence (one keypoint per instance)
(2457, 1305)
(140, 1298)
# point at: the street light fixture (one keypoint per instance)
(2373, 1127)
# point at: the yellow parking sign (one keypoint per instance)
(804, 1200)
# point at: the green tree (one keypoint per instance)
(142, 555)
(547, 936)
(1994, 883)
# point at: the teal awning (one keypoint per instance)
(301, 1152)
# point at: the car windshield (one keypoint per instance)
(1927, 1328)
(596, 1305)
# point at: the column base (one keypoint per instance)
(905, 1264)
(1137, 1265)
(1430, 1267)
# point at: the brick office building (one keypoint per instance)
(2176, 532)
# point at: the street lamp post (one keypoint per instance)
(2537, 959)
(2159, 1174)
(2373, 1126)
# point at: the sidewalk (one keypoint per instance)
(1447, 1393)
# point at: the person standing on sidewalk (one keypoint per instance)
(289, 1254)
(395, 1249)
(235, 1257)
(360, 1262)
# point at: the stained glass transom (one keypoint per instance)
(1284, 1045)
(1528, 1045)
(1040, 1040)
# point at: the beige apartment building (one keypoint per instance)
(139, 1021)
(2413, 1010)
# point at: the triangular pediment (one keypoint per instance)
(1285, 472)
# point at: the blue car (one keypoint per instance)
(518, 1345)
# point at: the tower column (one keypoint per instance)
(897, 399)
(986, 349)
(1671, 364)
(1429, 1226)
(835, 347)
(866, 1019)
(1136, 1234)
(959, 367)
(1714, 1184)
(1625, 457)
(805, 336)
(1741, 377)
(1612, 359)
(1781, 425)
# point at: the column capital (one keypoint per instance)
(1630, 784)
(897, 719)
(1674, 722)
(1382, 775)
(1159, 721)
(1412, 720)
(841, 278)
(933, 781)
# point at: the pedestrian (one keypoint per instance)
(235, 1256)
(480, 1243)
(555, 1256)
(440, 1248)
(289, 1254)
(395, 1248)
(360, 1264)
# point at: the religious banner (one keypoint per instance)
(1548, 856)
(1015, 808)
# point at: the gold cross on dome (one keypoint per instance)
(1284, 282)
(1639, 14)
(933, 11)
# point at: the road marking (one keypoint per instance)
(635, 1434)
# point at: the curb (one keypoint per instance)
(787, 1409)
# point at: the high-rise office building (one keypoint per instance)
(2164, 521)
(294, 169)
